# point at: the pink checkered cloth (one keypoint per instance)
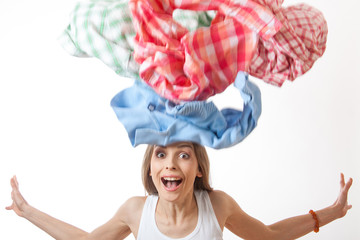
(183, 66)
(292, 51)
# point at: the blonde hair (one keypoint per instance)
(201, 183)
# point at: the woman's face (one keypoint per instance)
(174, 169)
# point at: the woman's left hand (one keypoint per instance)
(341, 203)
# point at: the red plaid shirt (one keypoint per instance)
(182, 65)
(292, 51)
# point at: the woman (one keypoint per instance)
(181, 204)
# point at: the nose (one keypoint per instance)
(171, 163)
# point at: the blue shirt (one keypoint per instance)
(151, 119)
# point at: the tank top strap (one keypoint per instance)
(210, 224)
(146, 224)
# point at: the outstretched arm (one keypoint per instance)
(304, 224)
(247, 227)
(116, 228)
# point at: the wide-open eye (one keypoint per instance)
(160, 154)
(184, 155)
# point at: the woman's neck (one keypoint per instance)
(176, 212)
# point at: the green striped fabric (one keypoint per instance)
(103, 29)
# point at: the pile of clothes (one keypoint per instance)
(180, 53)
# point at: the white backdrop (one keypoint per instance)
(59, 135)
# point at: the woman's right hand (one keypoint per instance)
(19, 204)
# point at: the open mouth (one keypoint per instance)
(171, 183)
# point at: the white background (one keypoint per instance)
(59, 135)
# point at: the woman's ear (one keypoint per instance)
(199, 173)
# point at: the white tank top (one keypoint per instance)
(207, 226)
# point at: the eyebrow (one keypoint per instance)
(179, 146)
(185, 145)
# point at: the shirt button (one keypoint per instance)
(151, 107)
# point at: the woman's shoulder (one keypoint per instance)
(222, 204)
(136, 201)
(219, 196)
(131, 210)
(135, 204)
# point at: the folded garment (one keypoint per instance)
(151, 119)
(184, 66)
(292, 51)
